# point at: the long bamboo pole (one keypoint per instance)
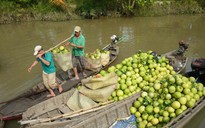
(59, 44)
(68, 115)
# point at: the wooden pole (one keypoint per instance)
(67, 115)
(59, 44)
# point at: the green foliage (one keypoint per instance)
(167, 7)
(6, 6)
(93, 8)
(41, 7)
(26, 9)
(142, 3)
(188, 7)
(201, 3)
(24, 3)
(128, 7)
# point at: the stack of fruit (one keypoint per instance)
(137, 72)
(165, 94)
(105, 51)
(166, 100)
(60, 49)
(96, 54)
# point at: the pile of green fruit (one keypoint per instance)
(166, 99)
(96, 54)
(60, 49)
(164, 93)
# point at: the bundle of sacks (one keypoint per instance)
(93, 91)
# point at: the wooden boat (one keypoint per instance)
(107, 115)
(178, 58)
(64, 117)
(57, 114)
(104, 119)
(178, 62)
(14, 108)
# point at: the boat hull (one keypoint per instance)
(101, 118)
(178, 62)
(13, 109)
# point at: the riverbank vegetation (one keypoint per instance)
(59, 10)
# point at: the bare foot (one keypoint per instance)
(50, 95)
(84, 75)
(60, 89)
(74, 78)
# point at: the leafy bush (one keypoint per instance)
(41, 7)
(6, 6)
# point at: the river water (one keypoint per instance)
(160, 34)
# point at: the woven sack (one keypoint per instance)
(99, 95)
(93, 64)
(105, 58)
(97, 83)
(73, 101)
(98, 79)
(64, 60)
(85, 102)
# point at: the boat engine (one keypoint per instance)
(114, 39)
(183, 46)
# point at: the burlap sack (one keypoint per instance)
(96, 83)
(98, 79)
(105, 58)
(99, 95)
(64, 60)
(93, 64)
(73, 101)
(85, 102)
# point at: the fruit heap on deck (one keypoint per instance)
(165, 94)
(96, 54)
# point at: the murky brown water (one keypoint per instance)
(160, 34)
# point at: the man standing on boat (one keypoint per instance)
(78, 43)
(49, 69)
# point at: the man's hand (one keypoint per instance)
(29, 69)
(40, 55)
(33, 65)
(66, 44)
(73, 45)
